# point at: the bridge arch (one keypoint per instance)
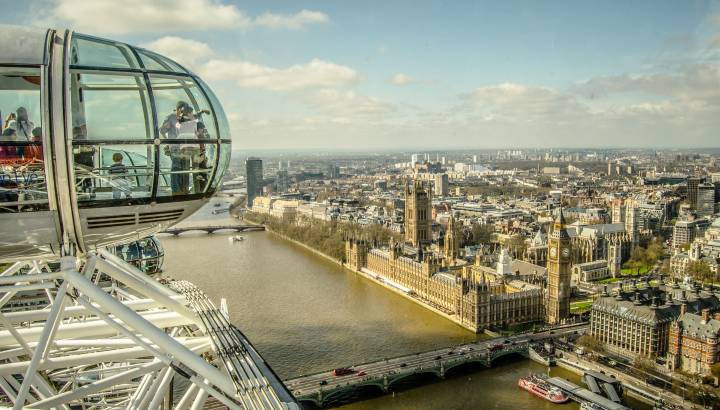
(461, 366)
(309, 403)
(415, 377)
(355, 392)
(509, 356)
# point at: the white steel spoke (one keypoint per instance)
(45, 339)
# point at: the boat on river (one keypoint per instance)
(538, 386)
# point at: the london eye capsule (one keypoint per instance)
(101, 143)
(146, 254)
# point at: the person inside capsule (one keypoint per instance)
(22, 176)
(184, 124)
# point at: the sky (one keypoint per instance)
(344, 75)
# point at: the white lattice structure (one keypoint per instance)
(111, 346)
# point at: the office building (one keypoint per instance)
(692, 191)
(254, 179)
(705, 201)
(442, 185)
(637, 320)
(282, 181)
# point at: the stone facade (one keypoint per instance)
(591, 271)
(472, 296)
(636, 320)
(693, 346)
(558, 267)
(418, 201)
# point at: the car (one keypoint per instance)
(438, 357)
(507, 341)
(323, 382)
(361, 373)
(403, 364)
(450, 353)
(552, 332)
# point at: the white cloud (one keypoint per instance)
(517, 102)
(401, 79)
(200, 58)
(296, 21)
(158, 16)
(698, 81)
(349, 104)
(316, 73)
(190, 53)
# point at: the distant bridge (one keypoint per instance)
(177, 230)
(324, 389)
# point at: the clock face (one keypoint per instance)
(553, 252)
(566, 252)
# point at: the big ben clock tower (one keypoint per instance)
(558, 267)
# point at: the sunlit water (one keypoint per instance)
(306, 314)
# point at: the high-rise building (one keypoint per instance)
(558, 267)
(333, 171)
(282, 181)
(684, 232)
(417, 213)
(442, 185)
(254, 179)
(692, 191)
(705, 199)
(474, 159)
(414, 159)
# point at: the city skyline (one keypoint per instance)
(342, 76)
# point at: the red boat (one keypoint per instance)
(541, 388)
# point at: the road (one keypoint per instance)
(305, 385)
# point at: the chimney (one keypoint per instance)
(705, 315)
(668, 298)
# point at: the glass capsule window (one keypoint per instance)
(183, 110)
(185, 169)
(146, 254)
(93, 52)
(22, 171)
(143, 129)
(156, 62)
(110, 107)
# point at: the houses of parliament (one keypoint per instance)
(474, 296)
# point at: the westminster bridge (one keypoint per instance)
(177, 230)
(325, 389)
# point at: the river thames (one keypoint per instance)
(306, 314)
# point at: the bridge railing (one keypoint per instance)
(459, 357)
